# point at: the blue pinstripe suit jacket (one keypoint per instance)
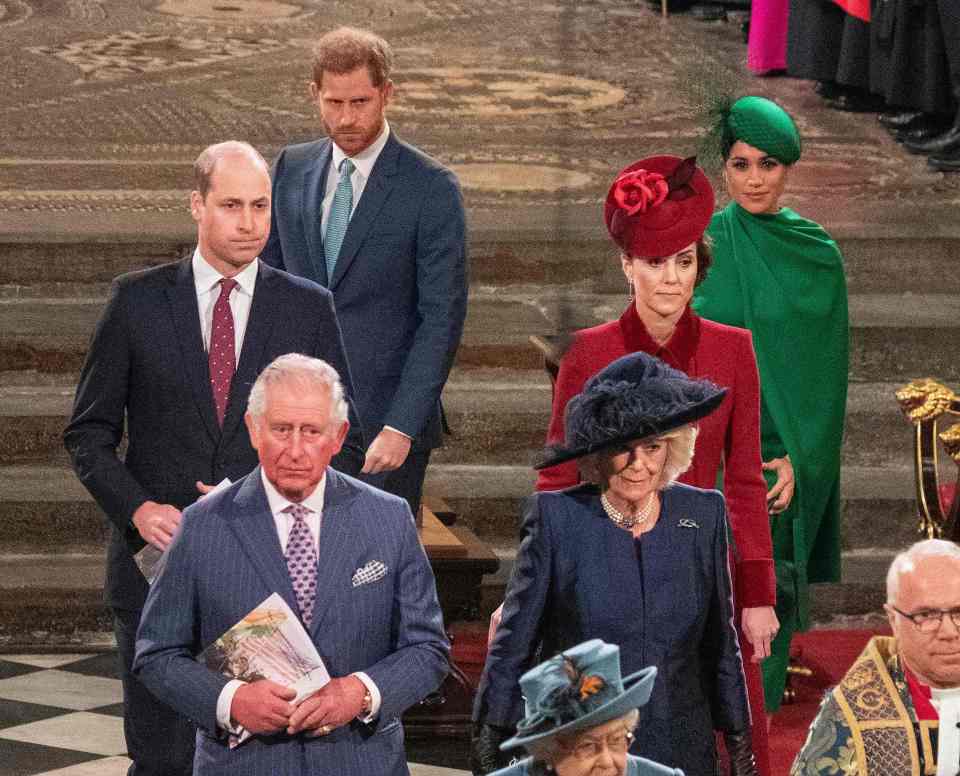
(226, 559)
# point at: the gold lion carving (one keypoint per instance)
(951, 441)
(923, 400)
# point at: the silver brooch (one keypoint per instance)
(686, 523)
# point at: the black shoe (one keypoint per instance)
(856, 102)
(945, 143)
(894, 119)
(946, 162)
(827, 89)
(923, 129)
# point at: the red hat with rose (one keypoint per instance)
(658, 206)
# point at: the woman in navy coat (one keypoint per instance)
(635, 559)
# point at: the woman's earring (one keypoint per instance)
(630, 292)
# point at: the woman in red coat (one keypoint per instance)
(656, 212)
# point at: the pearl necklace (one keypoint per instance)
(622, 520)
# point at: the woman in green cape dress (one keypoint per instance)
(781, 276)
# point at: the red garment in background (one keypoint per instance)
(858, 8)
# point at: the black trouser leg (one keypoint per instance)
(159, 741)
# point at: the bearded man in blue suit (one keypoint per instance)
(381, 225)
(370, 603)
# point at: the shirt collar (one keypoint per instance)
(278, 503)
(205, 277)
(365, 160)
(676, 352)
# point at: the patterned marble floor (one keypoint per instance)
(61, 715)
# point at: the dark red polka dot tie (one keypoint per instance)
(302, 562)
(222, 356)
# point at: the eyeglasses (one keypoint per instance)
(930, 620)
(591, 748)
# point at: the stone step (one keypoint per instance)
(878, 502)
(53, 537)
(47, 511)
(562, 253)
(501, 417)
(893, 336)
(46, 598)
(497, 417)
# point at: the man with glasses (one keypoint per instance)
(897, 710)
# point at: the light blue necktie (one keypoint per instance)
(339, 217)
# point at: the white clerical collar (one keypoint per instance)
(364, 160)
(947, 703)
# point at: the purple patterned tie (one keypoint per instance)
(222, 356)
(302, 561)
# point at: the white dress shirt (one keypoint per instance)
(363, 166)
(207, 279)
(947, 704)
(284, 523)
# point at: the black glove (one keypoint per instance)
(740, 751)
(485, 754)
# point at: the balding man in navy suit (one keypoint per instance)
(159, 365)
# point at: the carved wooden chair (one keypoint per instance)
(929, 405)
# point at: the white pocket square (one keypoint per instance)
(371, 572)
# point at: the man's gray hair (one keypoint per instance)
(911, 557)
(304, 372)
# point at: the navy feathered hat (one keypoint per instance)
(635, 397)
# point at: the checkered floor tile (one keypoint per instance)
(62, 715)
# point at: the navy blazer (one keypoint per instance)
(226, 559)
(400, 282)
(664, 599)
(146, 365)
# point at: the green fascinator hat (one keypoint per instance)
(763, 124)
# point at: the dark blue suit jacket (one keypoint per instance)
(226, 560)
(400, 282)
(146, 365)
(665, 600)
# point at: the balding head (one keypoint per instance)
(204, 166)
(924, 584)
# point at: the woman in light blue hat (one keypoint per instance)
(580, 716)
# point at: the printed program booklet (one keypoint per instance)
(269, 643)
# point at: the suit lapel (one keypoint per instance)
(255, 529)
(375, 194)
(334, 559)
(258, 332)
(313, 188)
(186, 320)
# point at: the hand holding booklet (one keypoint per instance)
(150, 559)
(268, 643)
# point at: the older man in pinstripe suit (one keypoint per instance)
(344, 555)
